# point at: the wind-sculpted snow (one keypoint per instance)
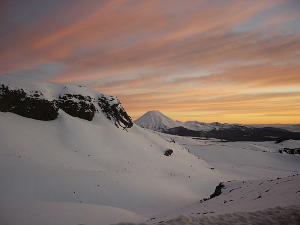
(42, 101)
(273, 216)
(272, 201)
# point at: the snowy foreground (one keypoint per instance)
(94, 171)
(242, 201)
(248, 196)
(275, 216)
(70, 171)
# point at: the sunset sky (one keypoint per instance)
(230, 61)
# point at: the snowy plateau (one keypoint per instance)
(70, 155)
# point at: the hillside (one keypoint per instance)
(72, 170)
(272, 201)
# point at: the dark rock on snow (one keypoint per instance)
(168, 152)
(35, 106)
(115, 112)
(218, 191)
(17, 101)
(77, 105)
(291, 151)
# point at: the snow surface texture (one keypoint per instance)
(240, 201)
(273, 216)
(74, 161)
(242, 160)
(157, 121)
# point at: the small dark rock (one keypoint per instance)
(258, 197)
(168, 152)
(218, 191)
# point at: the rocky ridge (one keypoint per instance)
(45, 103)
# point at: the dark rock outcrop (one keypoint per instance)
(218, 191)
(115, 112)
(168, 152)
(33, 104)
(17, 101)
(291, 151)
(77, 105)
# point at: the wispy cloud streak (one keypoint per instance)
(204, 60)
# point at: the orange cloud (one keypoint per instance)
(197, 59)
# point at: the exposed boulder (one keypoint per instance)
(114, 111)
(35, 107)
(218, 191)
(291, 151)
(168, 152)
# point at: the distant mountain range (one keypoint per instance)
(157, 121)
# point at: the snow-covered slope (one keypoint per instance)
(242, 160)
(155, 120)
(239, 200)
(71, 170)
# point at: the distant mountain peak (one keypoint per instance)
(156, 120)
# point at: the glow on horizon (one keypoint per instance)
(208, 60)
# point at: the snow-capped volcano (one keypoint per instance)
(155, 120)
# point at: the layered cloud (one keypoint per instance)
(232, 61)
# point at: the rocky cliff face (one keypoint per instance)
(39, 104)
(31, 106)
